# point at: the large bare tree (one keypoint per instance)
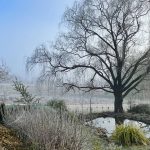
(104, 48)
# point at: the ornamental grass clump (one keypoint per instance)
(128, 135)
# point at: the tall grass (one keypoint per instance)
(47, 130)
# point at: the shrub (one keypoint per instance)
(26, 97)
(47, 131)
(141, 108)
(128, 135)
(57, 105)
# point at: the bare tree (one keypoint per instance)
(103, 46)
(3, 72)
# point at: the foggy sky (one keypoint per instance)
(24, 25)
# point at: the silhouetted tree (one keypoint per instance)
(101, 46)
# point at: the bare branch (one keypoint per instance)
(101, 45)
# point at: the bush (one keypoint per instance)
(26, 97)
(57, 104)
(128, 135)
(47, 131)
(141, 108)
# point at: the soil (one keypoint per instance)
(9, 141)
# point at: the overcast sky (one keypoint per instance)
(24, 25)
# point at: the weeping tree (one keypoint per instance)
(104, 47)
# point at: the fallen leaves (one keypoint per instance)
(8, 140)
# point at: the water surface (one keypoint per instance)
(109, 124)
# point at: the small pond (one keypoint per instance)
(109, 124)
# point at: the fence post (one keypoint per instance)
(2, 112)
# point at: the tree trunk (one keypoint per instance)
(118, 108)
